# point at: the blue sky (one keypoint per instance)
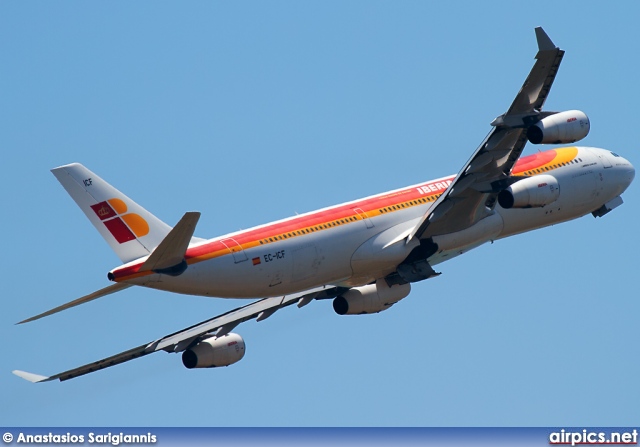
(253, 111)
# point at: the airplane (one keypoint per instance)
(364, 254)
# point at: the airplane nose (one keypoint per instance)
(626, 174)
(630, 175)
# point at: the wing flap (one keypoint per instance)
(89, 368)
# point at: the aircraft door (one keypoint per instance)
(362, 215)
(604, 160)
(236, 249)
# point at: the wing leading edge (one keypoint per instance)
(472, 195)
(182, 340)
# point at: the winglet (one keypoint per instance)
(33, 378)
(544, 42)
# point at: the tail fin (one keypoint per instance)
(130, 230)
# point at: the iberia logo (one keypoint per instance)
(124, 227)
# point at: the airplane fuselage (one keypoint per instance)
(354, 243)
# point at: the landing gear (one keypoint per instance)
(416, 267)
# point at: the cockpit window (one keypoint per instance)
(614, 154)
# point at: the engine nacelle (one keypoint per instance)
(370, 299)
(560, 128)
(214, 351)
(532, 192)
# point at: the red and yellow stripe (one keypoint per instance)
(545, 161)
(350, 212)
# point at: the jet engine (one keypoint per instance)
(532, 192)
(560, 128)
(370, 299)
(214, 351)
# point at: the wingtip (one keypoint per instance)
(26, 321)
(85, 299)
(31, 377)
(544, 41)
(36, 317)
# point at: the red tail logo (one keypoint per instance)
(123, 226)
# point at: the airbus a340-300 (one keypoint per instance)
(364, 254)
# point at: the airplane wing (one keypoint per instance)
(182, 340)
(473, 193)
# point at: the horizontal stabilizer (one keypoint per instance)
(170, 253)
(92, 296)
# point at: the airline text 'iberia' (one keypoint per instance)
(433, 187)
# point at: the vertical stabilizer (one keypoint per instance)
(130, 230)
